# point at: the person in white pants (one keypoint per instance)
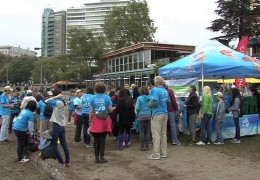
(5, 112)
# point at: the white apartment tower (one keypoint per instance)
(92, 15)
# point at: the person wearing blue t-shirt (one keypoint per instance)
(78, 109)
(86, 98)
(71, 105)
(16, 110)
(159, 104)
(5, 112)
(22, 126)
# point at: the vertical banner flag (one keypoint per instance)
(242, 47)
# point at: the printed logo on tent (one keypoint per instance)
(227, 53)
(255, 62)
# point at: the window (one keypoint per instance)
(130, 62)
(121, 64)
(126, 63)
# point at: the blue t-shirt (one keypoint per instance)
(5, 100)
(71, 104)
(21, 123)
(41, 105)
(16, 109)
(161, 95)
(100, 102)
(86, 98)
(142, 104)
(78, 102)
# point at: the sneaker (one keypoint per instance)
(67, 164)
(69, 123)
(218, 142)
(176, 143)
(236, 141)
(153, 157)
(208, 143)
(163, 156)
(88, 145)
(192, 142)
(24, 160)
(200, 143)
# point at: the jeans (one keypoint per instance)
(69, 116)
(4, 127)
(78, 128)
(171, 118)
(124, 128)
(219, 132)
(236, 121)
(87, 137)
(159, 130)
(99, 144)
(145, 130)
(21, 141)
(205, 128)
(58, 132)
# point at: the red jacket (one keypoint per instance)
(100, 126)
(174, 106)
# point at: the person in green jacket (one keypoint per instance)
(206, 111)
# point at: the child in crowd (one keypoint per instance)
(220, 116)
(71, 105)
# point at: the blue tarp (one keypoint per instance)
(215, 61)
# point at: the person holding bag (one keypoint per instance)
(101, 123)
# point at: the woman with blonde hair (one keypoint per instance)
(206, 111)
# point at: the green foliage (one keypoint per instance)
(85, 51)
(18, 69)
(129, 25)
(237, 18)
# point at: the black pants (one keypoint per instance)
(22, 140)
(87, 137)
(124, 128)
(11, 121)
(99, 144)
(236, 122)
(78, 128)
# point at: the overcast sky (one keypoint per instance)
(178, 21)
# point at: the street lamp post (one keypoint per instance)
(41, 67)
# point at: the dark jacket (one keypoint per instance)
(126, 113)
(192, 103)
(174, 106)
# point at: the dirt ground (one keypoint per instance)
(11, 169)
(229, 161)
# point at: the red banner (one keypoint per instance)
(242, 47)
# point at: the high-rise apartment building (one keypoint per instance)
(92, 15)
(53, 33)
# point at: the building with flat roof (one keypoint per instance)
(16, 51)
(53, 33)
(92, 15)
(137, 63)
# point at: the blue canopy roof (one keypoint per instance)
(213, 61)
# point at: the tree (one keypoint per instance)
(237, 18)
(129, 25)
(20, 69)
(85, 51)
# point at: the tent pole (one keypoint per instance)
(202, 77)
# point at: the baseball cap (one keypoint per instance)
(78, 91)
(7, 88)
(29, 91)
(219, 94)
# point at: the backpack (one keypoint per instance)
(47, 112)
(49, 152)
(33, 143)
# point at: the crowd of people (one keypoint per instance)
(98, 112)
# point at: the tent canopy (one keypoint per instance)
(215, 61)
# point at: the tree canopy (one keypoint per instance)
(85, 50)
(129, 25)
(237, 18)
